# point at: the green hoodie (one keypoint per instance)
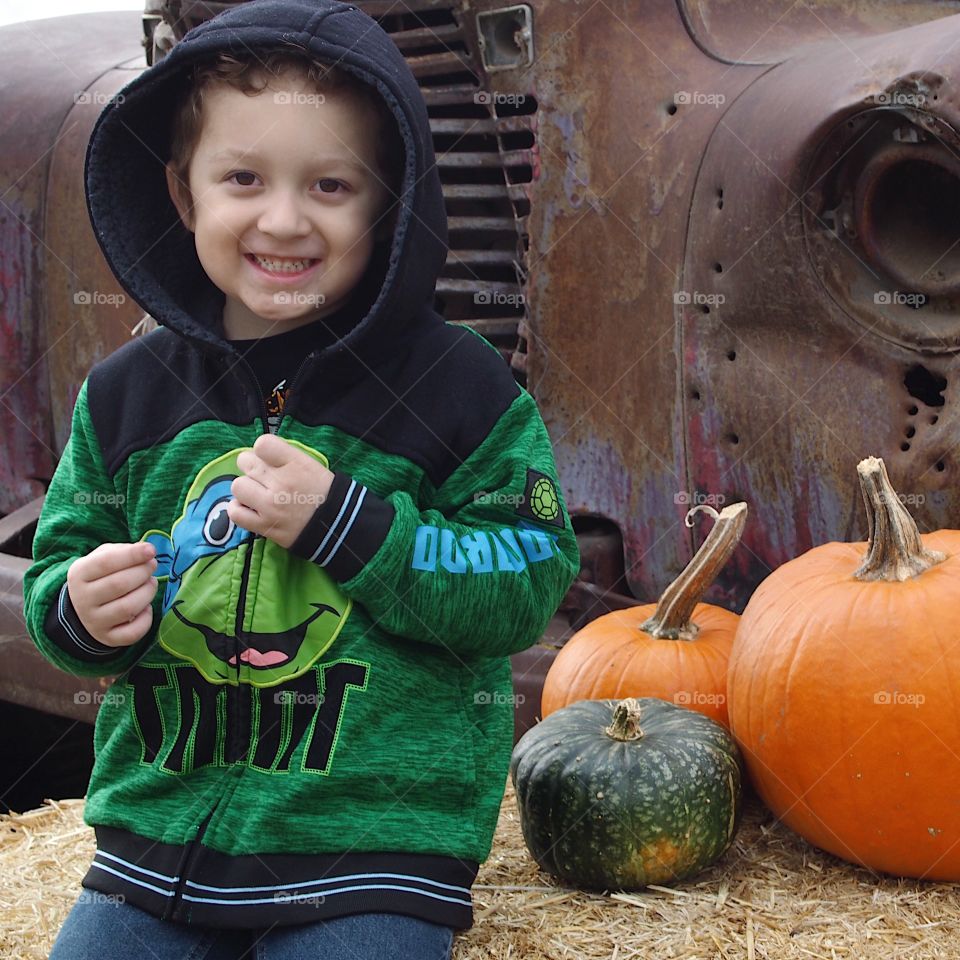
(326, 729)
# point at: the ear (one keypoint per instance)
(180, 195)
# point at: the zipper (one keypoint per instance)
(263, 402)
(233, 723)
(233, 727)
(296, 376)
(177, 905)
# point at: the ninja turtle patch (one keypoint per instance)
(540, 500)
(240, 608)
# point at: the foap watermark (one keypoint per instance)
(100, 697)
(897, 98)
(907, 499)
(499, 497)
(697, 698)
(99, 498)
(887, 298)
(97, 896)
(86, 298)
(694, 98)
(95, 96)
(497, 298)
(298, 496)
(686, 297)
(485, 697)
(886, 698)
(281, 896)
(297, 697)
(299, 299)
(684, 498)
(488, 98)
(298, 96)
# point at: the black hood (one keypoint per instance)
(154, 256)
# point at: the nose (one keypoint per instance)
(283, 215)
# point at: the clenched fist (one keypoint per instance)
(279, 490)
(112, 589)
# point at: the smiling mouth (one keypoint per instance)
(281, 264)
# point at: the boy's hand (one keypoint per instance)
(112, 589)
(281, 488)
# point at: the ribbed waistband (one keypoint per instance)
(194, 884)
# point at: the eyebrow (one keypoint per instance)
(255, 157)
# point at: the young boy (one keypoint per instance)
(351, 505)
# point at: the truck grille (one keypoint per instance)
(484, 148)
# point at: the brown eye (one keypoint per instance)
(244, 173)
(328, 185)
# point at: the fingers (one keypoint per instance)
(121, 622)
(126, 634)
(243, 516)
(251, 465)
(110, 558)
(112, 585)
(273, 450)
(127, 608)
(107, 589)
(247, 492)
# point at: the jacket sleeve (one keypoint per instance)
(480, 574)
(81, 510)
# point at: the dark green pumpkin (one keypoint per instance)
(615, 795)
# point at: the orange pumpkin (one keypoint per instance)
(844, 692)
(675, 649)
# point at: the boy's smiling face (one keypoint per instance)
(287, 198)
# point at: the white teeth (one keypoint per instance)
(283, 266)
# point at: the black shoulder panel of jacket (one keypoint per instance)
(155, 386)
(433, 403)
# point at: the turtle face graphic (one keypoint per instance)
(240, 608)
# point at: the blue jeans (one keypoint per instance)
(99, 927)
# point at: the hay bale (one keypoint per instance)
(772, 896)
(44, 853)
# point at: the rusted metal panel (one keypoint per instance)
(639, 127)
(799, 355)
(46, 67)
(758, 31)
(26, 677)
(88, 314)
(608, 226)
(53, 77)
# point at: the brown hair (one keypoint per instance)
(243, 72)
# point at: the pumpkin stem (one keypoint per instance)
(671, 620)
(895, 550)
(626, 721)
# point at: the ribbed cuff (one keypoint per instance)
(63, 627)
(346, 530)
